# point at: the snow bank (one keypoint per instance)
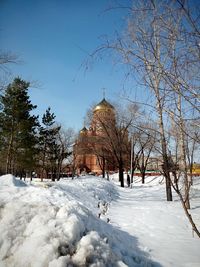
(10, 181)
(60, 226)
(65, 224)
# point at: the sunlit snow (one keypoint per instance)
(89, 221)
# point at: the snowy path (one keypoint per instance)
(56, 224)
(168, 238)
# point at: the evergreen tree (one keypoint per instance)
(49, 147)
(18, 128)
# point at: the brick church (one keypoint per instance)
(91, 154)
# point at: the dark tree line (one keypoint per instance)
(25, 145)
(18, 129)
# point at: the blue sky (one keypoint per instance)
(52, 38)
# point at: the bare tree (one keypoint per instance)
(6, 58)
(116, 137)
(65, 142)
(192, 145)
(160, 47)
(135, 151)
(141, 50)
(147, 140)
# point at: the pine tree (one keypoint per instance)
(18, 128)
(49, 148)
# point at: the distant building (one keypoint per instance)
(90, 153)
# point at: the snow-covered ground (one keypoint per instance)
(161, 227)
(89, 221)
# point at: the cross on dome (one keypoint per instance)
(104, 92)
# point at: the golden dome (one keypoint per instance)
(103, 105)
(84, 130)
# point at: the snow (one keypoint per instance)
(90, 221)
(161, 227)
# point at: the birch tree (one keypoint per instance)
(160, 47)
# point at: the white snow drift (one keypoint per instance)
(65, 224)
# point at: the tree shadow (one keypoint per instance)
(124, 245)
(194, 208)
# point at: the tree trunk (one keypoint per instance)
(168, 187)
(142, 167)
(184, 204)
(9, 154)
(43, 162)
(107, 173)
(183, 153)
(59, 169)
(143, 176)
(132, 173)
(52, 174)
(121, 175)
(164, 152)
(191, 173)
(103, 167)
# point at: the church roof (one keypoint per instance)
(103, 105)
(83, 130)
